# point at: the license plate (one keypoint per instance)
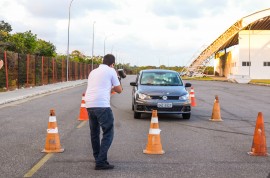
(164, 105)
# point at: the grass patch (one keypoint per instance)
(2, 90)
(263, 81)
(208, 78)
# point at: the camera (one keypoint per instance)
(121, 73)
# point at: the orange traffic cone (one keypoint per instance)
(83, 112)
(259, 147)
(192, 97)
(154, 144)
(52, 144)
(216, 111)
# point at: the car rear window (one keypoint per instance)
(161, 78)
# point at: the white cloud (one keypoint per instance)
(149, 32)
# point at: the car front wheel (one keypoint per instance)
(137, 115)
(186, 116)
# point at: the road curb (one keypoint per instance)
(9, 96)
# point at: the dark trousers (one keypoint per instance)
(101, 118)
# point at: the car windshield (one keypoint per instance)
(161, 79)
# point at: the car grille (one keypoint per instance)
(150, 108)
(168, 97)
(174, 108)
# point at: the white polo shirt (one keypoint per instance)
(100, 83)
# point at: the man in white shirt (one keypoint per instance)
(101, 82)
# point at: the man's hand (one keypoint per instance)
(1, 64)
(117, 89)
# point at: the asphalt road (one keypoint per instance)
(193, 148)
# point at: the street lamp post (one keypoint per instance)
(104, 46)
(68, 36)
(93, 42)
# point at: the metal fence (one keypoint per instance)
(24, 70)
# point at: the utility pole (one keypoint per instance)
(93, 42)
(68, 37)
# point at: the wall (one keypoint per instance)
(254, 46)
(225, 63)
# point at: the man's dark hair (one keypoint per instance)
(108, 59)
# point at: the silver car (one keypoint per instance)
(161, 90)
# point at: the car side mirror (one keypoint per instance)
(133, 83)
(188, 85)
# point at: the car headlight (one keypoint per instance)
(184, 97)
(143, 96)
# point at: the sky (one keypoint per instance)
(139, 32)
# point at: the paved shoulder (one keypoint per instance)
(19, 94)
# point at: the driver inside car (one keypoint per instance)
(149, 79)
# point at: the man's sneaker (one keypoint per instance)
(103, 167)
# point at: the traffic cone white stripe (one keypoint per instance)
(153, 145)
(154, 131)
(52, 130)
(192, 97)
(52, 143)
(154, 120)
(52, 119)
(83, 112)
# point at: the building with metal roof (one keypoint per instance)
(241, 52)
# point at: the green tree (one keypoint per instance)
(61, 56)
(44, 48)
(209, 70)
(5, 28)
(162, 67)
(96, 60)
(24, 43)
(77, 56)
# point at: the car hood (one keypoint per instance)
(162, 90)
